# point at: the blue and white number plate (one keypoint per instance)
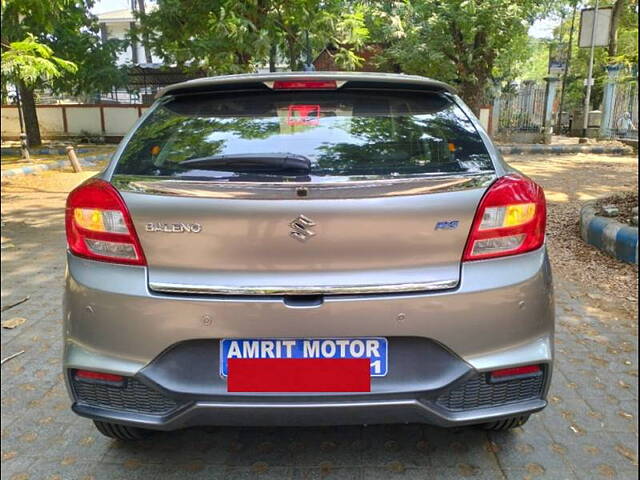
(373, 348)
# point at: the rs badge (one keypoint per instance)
(447, 225)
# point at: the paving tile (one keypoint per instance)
(537, 472)
(408, 445)
(589, 430)
(463, 447)
(462, 470)
(327, 472)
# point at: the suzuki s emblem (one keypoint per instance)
(301, 228)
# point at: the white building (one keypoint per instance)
(117, 24)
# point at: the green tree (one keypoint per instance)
(67, 28)
(536, 65)
(227, 36)
(466, 42)
(17, 18)
(623, 52)
(27, 63)
(76, 35)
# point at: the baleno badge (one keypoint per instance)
(173, 227)
(301, 228)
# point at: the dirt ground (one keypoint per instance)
(12, 161)
(589, 429)
(568, 181)
(625, 202)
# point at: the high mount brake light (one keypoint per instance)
(99, 226)
(305, 85)
(511, 219)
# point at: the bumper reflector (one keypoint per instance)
(299, 375)
(100, 376)
(516, 371)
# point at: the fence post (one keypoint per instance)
(607, 126)
(24, 147)
(550, 96)
(495, 114)
(75, 164)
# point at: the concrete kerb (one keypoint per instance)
(564, 149)
(505, 149)
(612, 237)
(40, 167)
(41, 151)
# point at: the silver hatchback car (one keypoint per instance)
(307, 249)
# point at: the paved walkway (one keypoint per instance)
(588, 431)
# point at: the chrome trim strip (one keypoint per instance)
(298, 290)
(359, 188)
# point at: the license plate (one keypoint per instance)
(373, 348)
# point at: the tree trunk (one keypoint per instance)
(273, 51)
(293, 53)
(28, 102)
(613, 32)
(244, 60)
(473, 94)
(145, 37)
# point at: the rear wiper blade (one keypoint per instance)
(271, 163)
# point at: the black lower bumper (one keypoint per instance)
(426, 384)
(371, 412)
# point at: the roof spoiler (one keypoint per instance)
(263, 81)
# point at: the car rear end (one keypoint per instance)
(300, 249)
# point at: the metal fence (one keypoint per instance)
(623, 123)
(519, 114)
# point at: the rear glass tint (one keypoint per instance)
(304, 136)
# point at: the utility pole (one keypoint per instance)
(566, 67)
(587, 98)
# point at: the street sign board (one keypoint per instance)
(603, 24)
(558, 58)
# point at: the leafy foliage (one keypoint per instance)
(32, 30)
(76, 36)
(626, 55)
(67, 28)
(227, 36)
(31, 62)
(536, 66)
(466, 42)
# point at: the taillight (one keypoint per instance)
(511, 219)
(99, 226)
(305, 85)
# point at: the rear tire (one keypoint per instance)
(506, 424)
(121, 432)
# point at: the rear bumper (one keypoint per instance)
(426, 383)
(501, 315)
(368, 412)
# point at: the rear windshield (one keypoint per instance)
(304, 136)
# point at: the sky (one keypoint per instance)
(540, 29)
(544, 28)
